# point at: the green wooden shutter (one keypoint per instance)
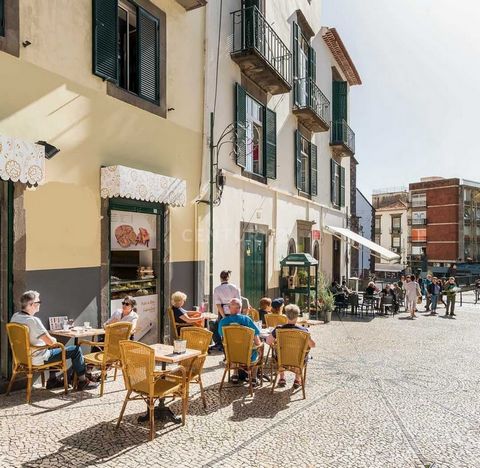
(296, 45)
(148, 56)
(339, 104)
(298, 161)
(270, 139)
(313, 169)
(2, 18)
(105, 39)
(342, 186)
(312, 64)
(241, 125)
(333, 188)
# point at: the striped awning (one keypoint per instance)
(122, 181)
(21, 161)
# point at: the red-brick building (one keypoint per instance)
(444, 222)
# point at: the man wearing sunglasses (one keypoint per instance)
(39, 336)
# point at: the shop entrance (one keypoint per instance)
(254, 267)
(136, 265)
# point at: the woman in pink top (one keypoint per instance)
(412, 291)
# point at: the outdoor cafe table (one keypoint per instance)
(77, 334)
(164, 354)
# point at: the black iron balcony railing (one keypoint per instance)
(396, 230)
(342, 134)
(308, 95)
(252, 31)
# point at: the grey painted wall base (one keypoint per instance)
(188, 278)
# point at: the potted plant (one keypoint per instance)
(326, 300)
(302, 278)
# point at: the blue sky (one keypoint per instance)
(416, 113)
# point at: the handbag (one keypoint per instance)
(419, 299)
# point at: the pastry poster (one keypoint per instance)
(133, 231)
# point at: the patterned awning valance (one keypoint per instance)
(121, 181)
(21, 161)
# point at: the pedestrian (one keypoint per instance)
(222, 295)
(450, 291)
(426, 286)
(434, 291)
(412, 292)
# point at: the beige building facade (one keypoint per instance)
(116, 86)
(280, 89)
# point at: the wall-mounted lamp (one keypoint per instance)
(50, 150)
(26, 43)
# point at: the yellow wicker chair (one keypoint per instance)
(253, 314)
(18, 336)
(148, 385)
(176, 325)
(238, 346)
(291, 347)
(274, 320)
(110, 356)
(199, 339)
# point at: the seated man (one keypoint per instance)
(292, 312)
(39, 336)
(236, 318)
(181, 315)
(277, 306)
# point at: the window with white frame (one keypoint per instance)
(254, 143)
(419, 199)
(419, 217)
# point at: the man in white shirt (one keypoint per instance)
(222, 295)
(39, 336)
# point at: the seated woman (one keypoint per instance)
(128, 313)
(292, 312)
(371, 289)
(265, 308)
(183, 316)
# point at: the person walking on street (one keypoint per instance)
(411, 290)
(450, 291)
(434, 290)
(428, 296)
(222, 295)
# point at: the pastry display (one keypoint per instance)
(143, 237)
(125, 235)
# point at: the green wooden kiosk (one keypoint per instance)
(296, 279)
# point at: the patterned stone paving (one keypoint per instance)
(381, 392)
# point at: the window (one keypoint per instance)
(305, 165)
(337, 184)
(304, 64)
(396, 224)
(419, 199)
(419, 235)
(378, 224)
(255, 160)
(255, 135)
(417, 250)
(395, 241)
(126, 47)
(419, 218)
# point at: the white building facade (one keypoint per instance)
(279, 89)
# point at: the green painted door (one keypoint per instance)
(254, 267)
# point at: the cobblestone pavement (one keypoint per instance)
(381, 392)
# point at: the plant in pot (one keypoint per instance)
(326, 300)
(302, 278)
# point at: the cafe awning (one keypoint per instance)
(21, 161)
(121, 181)
(346, 234)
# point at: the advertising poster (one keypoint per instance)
(133, 231)
(147, 324)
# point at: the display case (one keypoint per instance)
(135, 288)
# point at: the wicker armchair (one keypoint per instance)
(176, 326)
(199, 339)
(238, 345)
(274, 320)
(18, 336)
(148, 385)
(291, 348)
(253, 314)
(110, 356)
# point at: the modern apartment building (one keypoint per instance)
(445, 221)
(280, 87)
(101, 137)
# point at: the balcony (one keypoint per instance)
(192, 4)
(417, 222)
(260, 53)
(342, 138)
(311, 107)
